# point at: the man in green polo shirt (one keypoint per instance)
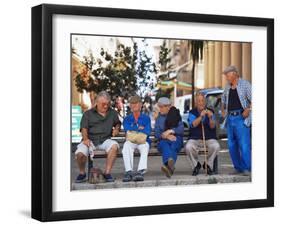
(97, 126)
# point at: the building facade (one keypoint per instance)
(219, 55)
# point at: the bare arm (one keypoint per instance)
(198, 120)
(116, 130)
(85, 137)
(212, 122)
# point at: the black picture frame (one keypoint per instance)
(42, 107)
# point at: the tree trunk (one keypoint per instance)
(192, 83)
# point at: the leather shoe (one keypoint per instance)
(209, 170)
(196, 169)
(171, 166)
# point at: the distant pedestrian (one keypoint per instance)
(120, 108)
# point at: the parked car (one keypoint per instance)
(183, 103)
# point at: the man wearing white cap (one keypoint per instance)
(169, 130)
(236, 107)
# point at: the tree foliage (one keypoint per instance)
(120, 74)
(145, 71)
(165, 65)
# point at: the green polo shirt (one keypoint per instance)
(99, 127)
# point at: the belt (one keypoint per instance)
(235, 113)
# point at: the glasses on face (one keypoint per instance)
(104, 104)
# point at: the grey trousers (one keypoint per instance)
(193, 147)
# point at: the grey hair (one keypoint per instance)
(103, 94)
(199, 94)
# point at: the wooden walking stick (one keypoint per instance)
(205, 149)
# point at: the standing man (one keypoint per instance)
(97, 126)
(236, 108)
(169, 130)
(138, 128)
(196, 117)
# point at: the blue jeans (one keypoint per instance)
(170, 149)
(239, 143)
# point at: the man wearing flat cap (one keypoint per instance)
(169, 130)
(236, 108)
(138, 128)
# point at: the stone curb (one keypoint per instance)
(201, 179)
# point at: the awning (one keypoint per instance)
(170, 84)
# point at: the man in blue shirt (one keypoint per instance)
(139, 123)
(196, 117)
(170, 137)
(236, 108)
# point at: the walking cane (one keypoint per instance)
(205, 149)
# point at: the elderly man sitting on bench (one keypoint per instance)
(137, 127)
(98, 125)
(198, 116)
(169, 130)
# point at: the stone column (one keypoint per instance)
(247, 61)
(225, 59)
(211, 63)
(236, 55)
(218, 64)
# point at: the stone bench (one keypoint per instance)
(152, 152)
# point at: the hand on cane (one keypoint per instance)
(203, 113)
(205, 149)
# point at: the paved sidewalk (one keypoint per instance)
(154, 176)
